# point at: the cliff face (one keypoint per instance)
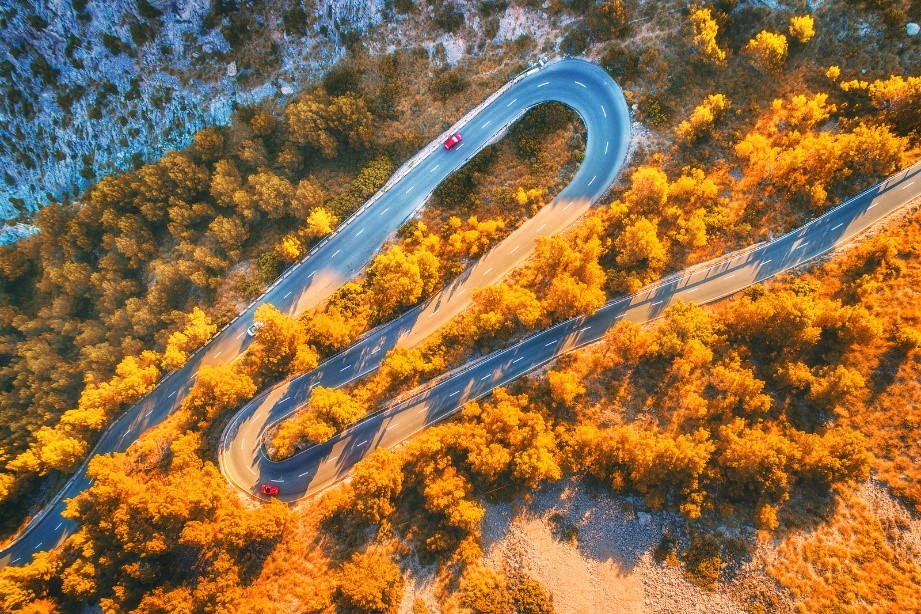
(91, 86)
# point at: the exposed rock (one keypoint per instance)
(11, 234)
(86, 94)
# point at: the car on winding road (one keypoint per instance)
(453, 140)
(269, 490)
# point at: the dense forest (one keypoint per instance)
(790, 392)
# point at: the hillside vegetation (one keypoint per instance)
(756, 422)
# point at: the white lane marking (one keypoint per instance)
(409, 189)
(766, 261)
(311, 275)
(336, 252)
(422, 410)
(14, 560)
(250, 469)
(394, 425)
(285, 399)
(658, 302)
(384, 211)
(543, 84)
(358, 234)
(542, 226)
(908, 185)
(511, 103)
(580, 83)
(375, 351)
(344, 368)
(455, 393)
(871, 206)
(567, 206)
(461, 291)
(802, 245)
(730, 276)
(603, 111)
(692, 290)
(486, 272)
(172, 394)
(329, 460)
(593, 180)
(517, 359)
(606, 143)
(433, 314)
(287, 295)
(300, 475)
(584, 328)
(147, 415)
(514, 249)
(434, 168)
(459, 146)
(59, 526)
(219, 353)
(486, 124)
(838, 226)
(546, 345)
(278, 481)
(362, 443)
(38, 546)
(241, 334)
(483, 379)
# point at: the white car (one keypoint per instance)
(251, 331)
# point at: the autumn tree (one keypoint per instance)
(280, 346)
(371, 582)
(802, 28)
(329, 410)
(768, 50)
(377, 481)
(703, 118)
(217, 389)
(397, 279)
(705, 30)
(197, 331)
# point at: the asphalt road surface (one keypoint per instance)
(317, 468)
(581, 85)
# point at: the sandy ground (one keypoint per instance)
(593, 553)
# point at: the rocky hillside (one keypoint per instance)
(88, 86)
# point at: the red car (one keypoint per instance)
(269, 490)
(453, 140)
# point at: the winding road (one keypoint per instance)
(314, 469)
(576, 83)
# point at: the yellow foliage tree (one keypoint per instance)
(768, 50)
(705, 31)
(702, 119)
(802, 28)
(198, 330)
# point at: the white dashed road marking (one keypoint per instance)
(580, 83)
(279, 481)
(838, 226)
(384, 211)
(362, 443)
(358, 234)
(171, 395)
(336, 252)
(546, 345)
(593, 180)
(344, 368)
(603, 111)
(455, 393)
(908, 185)
(486, 124)
(606, 143)
(288, 294)
(543, 84)
(513, 250)
(511, 103)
